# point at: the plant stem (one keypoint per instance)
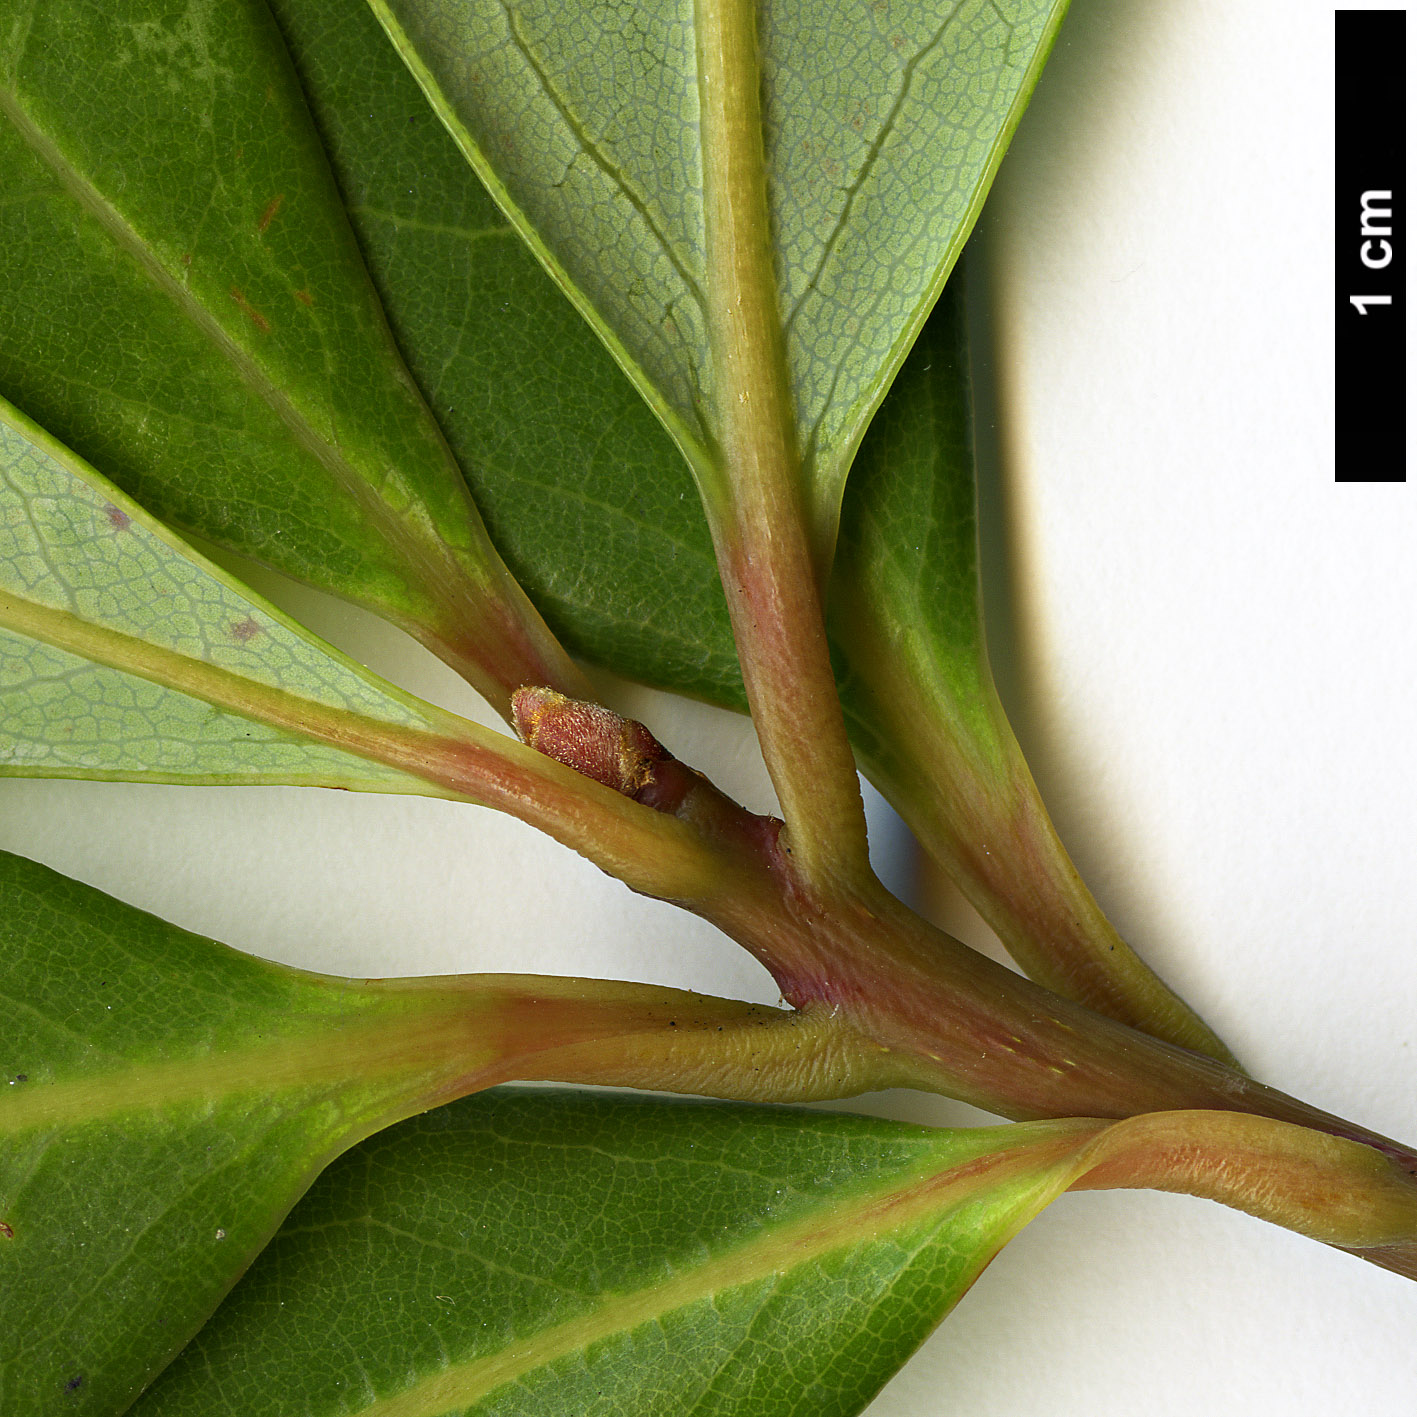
(650, 851)
(956, 1023)
(475, 1031)
(930, 732)
(1322, 1186)
(986, 825)
(491, 634)
(924, 1010)
(479, 1030)
(759, 517)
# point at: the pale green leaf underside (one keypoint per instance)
(534, 1253)
(78, 557)
(884, 123)
(163, 1102)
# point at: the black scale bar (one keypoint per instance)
(1370, 265)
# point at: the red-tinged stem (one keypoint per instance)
(475, 1031)
(939, 745)
(492, 635)
(928, 1010)
(1322, 1186)
(955, 1022)
(650, 851)
(758, 515)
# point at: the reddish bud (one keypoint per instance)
(615, 751)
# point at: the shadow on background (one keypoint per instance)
(1064, 144)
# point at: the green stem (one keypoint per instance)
(492, 635)
(984, 822)
(474, 1031)
(915, 1006)
(1330, 1189)
(759, 516)
(479, 1030)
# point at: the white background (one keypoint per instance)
(1207, 646)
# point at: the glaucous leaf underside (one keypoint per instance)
(882, 127)
(125, 654)
(583, 491)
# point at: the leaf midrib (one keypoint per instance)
(392, 744)
(693, 443)
(335, 1055)
(911, 1199)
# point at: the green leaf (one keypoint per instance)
(527, 1252)
(919, 698)
(124, 654)
(882, 130)
(908, 552)
(582, 490)
(183, 302)
(163, 1102)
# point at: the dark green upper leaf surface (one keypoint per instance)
(183, 303)
(909, 544)
(582, 490)
(163, 1101)
(533, 1253)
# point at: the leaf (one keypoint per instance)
(583, 492)
(124, 654)
(882, 129)
(182, 301)
(163, 1102)
(558, 1252)
(920, 703)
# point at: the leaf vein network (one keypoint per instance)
(601, 161)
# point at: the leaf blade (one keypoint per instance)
(582, 490)
(608, 195)
(184, 303)
(98, 601)
(918, 693)
(166, 1101)
(565, 1252)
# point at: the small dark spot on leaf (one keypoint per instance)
(250, 311)
(7, 1231)
(118, 519)
(186, 258)
(269, 215)
(74, 1383)
(304, 297)
(22, 1077)
(244, 631)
